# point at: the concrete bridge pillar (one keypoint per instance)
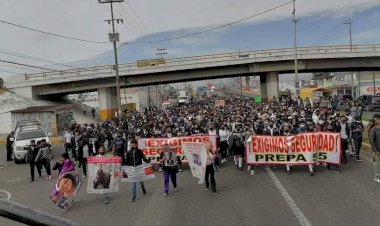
(107, 103)
(269, 86)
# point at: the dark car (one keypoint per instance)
(370, 102)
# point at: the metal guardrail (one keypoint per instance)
(23, 214)
(233, 58)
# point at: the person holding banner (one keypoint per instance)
(210, 168)
(106, 197)
(135, 157)
(169, 160)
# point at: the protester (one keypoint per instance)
(135, 157)
(374, 140)
(357, 136)
(31, 156)
(168, 159)
(44, 155)
(210, 171)
(106, 197)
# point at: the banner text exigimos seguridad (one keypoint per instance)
(299, 149)
(152, 147)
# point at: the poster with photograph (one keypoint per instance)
(103, 174)
(196, 155)
(137, 173)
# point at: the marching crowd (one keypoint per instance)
(233, 124)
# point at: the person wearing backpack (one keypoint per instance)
(44, 156)
(238, 149)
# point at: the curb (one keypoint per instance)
(53, 140)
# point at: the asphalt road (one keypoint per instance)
(350, 198)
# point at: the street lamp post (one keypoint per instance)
(295, 21)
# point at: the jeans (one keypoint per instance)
(344, 148)
(134, 190)
(173, 176)
(377, 165)
(46, 163)
(210, 173)
(32, 165)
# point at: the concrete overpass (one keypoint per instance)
(266, 63)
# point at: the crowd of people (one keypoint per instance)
(233, 124)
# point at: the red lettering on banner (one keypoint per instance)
(331, 143)
(151, 143)
(320, 141)
(302, 142)
(298, 144)
(266, 143)
(281, 144)
(254, 144)
(314, 142)
(325, 146)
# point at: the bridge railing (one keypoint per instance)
(209, 60)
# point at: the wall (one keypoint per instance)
(5, 123)
(45, 118)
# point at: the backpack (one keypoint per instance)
(238, 141)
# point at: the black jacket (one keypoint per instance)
(135, 158)
(32, 153)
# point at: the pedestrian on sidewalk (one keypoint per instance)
(169, 161)
(374, 140)
(135, 158)
(84, 109)
(31, 156)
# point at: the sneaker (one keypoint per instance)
(134, 198)
(160, 169)
(180, 170)
(215, 193)
(312, 173)
(337, 171)
(252, 172)
(165, 195)
(106, 201)
(377, 179)
(236, 166)
(84, 175)
(207, 189)
(359, 160)
(176, 189)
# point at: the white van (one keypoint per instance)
(25, 132)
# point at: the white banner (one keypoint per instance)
(196, 155)
(137, 173)
(103, 174)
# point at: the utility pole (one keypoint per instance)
(349, 23)
(161, 52)
(241, 86)
(295, 21)
(114, 37)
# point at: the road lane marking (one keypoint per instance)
(302, 219)
(7, 194)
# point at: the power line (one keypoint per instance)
(212, 29)
(27, 65)
(51, 34)
(329, 15)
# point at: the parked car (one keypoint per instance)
(25, 132)
(370, 102)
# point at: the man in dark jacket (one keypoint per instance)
(357, 136)
(120, 147)
(135, 158)
(10, 140)
(31, 156)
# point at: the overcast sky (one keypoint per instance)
(321, 23)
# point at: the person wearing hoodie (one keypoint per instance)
(44, 155)
(31, 156)
(135, 157)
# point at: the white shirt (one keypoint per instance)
(223, 135)
(68, 136)
(343, 133)
(212, 133)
